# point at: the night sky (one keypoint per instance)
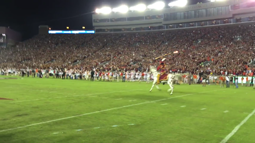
(26, 16)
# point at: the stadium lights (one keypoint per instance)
(157, 5)
(104, 10)
(67, 27)
(139, 7)
(217, 0)
(121, 9)
(178, 3)
(83, 27)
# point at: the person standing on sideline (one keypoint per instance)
(22, 73)
(64, 73)
(47, 73)
(221, 81)
(203, 79)
(242, 80)
(123, 76)
(189, 78)
(252, 81)
(236, 81)
(227, 81)
(33, 72)
(247, 80)
(27, 72)
(92, 75)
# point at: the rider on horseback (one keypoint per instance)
(162, 69)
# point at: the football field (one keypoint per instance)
(36, 110)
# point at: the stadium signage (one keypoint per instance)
(71, 32)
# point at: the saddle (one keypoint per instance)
(161, 78)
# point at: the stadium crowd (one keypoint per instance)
(213, 50)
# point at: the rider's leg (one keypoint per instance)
(158, 79)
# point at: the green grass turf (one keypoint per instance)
(174, 120)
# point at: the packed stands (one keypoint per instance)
(214, 49)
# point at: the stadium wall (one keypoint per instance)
(12, 37)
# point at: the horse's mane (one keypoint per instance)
(153, 69)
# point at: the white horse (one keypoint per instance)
(169, 81)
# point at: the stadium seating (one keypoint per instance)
(228, 48)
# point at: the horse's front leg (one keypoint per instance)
(153, 84)
(171, 87)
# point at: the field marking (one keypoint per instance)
(226, 111)
(183, 106)
(90, 113)
(237, 128)
(164, 104)
(88, 95)
(114, 126)
(203, 109)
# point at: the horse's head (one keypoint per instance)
(153, 70)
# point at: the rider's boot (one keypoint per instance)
(158, 82)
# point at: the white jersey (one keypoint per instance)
(106, 75)
(102, 75)
(43, 71)
(145, 75)
(132, 74)
(136, 75)
(139, 75)
(148, 76)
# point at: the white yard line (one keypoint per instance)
(89, 95)
(116, 108)
(237, 128)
